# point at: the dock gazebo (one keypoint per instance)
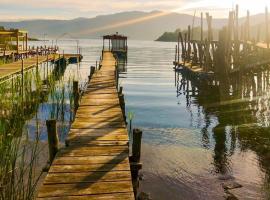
(117, 44)
(7, 39)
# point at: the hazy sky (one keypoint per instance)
(67, 9)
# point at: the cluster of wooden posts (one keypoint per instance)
(235, 50)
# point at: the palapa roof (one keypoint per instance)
(12, 32)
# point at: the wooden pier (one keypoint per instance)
(95, 163)
(235, 50)
(7, 70)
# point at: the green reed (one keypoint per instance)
(19, 99)
(19, 102)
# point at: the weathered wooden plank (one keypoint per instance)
(85, 189)
(98, 142)
(115, 196)
(98, 132)
(87, 160)
(114, 117)
(82, 124)
(87, 177)
(80, 151)
(89, 168)
(88, 139)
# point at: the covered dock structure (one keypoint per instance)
(116, 44)
(13, 41)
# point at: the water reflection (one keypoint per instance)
(240, 103)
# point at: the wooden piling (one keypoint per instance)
(53, 140)
(201, 27)
(123, 106)
(37, 58)
(266, 27)
(248, 27)
(175, 58)
(120, 90)
(178, 49)
(136, 145)
(92, 71)
(76, 94)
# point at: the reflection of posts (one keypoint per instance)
(220, 156)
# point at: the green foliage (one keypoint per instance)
(195, 35)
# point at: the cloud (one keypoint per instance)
(67, 9)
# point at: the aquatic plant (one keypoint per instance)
(19, 149)
(131, 115)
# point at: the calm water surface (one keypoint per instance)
(194, 139)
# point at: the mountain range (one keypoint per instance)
(135, 24)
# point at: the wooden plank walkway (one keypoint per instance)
(9, 69)
(95, 164)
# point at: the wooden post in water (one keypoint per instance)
(135, 164)
(189, 46)
(47, 59)
(175, 58)
(120, 90)
(76, 94)
(123, 105)
(178, 49)
(266, 27)
(37, 57)
(136, 145)
(22, 71)
(53, 140)
(201, 27)
(248, 27)
(92, 71)
(236, 37)
(200, 45)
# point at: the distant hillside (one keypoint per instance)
(135, 24)
(195, 35)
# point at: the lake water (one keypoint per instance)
(195, 139)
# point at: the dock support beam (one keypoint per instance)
(52, 139)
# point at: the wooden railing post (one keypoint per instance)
(53, 140)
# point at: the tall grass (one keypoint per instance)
(20, 100)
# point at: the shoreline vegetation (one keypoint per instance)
(196, 34)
